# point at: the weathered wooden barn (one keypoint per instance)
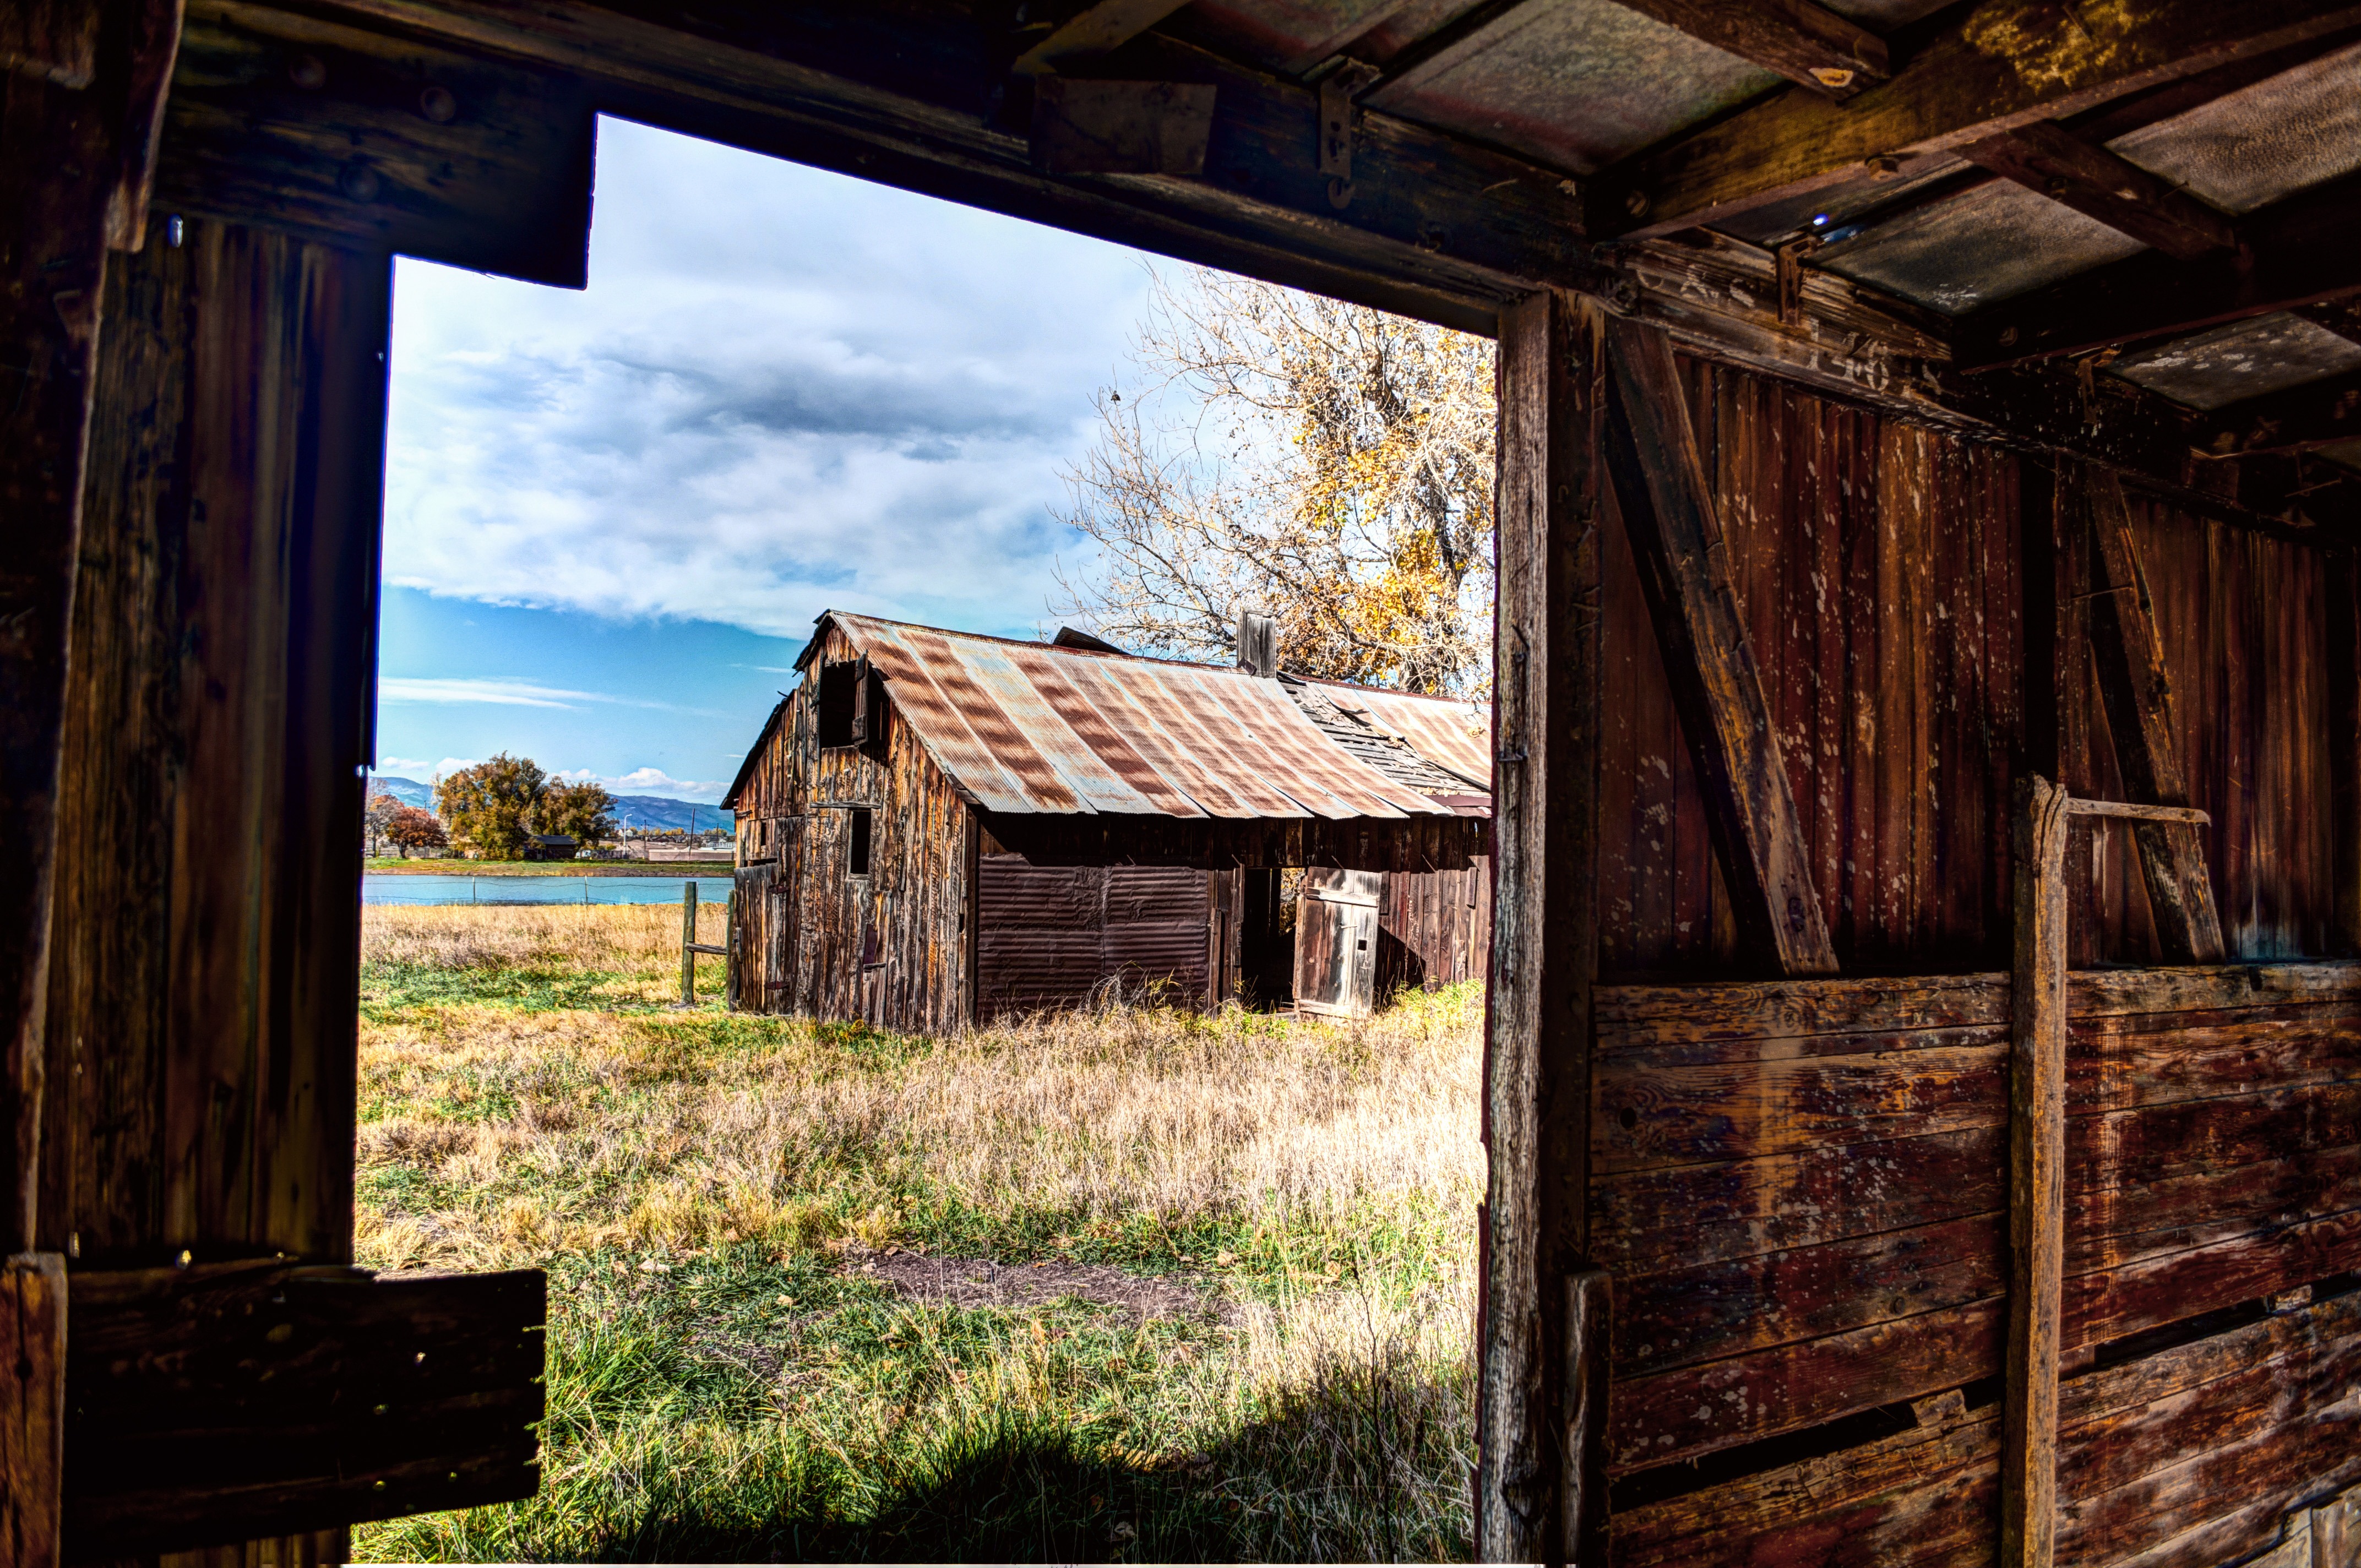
(1921, 1091)
(938, 828)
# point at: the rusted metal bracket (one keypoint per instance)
(1337, 124)
(2037, 1185)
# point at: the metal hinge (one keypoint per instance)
(1337, 119)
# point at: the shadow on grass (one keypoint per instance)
(1365, 1466)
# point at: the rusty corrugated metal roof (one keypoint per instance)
(1451, 732)
(1034, 728)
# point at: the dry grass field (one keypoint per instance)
(1137, 1285)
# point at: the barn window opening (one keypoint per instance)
(859, 857)
(840, 689)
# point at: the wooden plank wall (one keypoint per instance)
(2244, 623)
(1876, 565)
(1434, 928)
(1799, 1186)
(2192, 1457)
(915, 900)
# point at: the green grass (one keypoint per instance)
(724, 1383)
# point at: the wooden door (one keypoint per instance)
(781, 918)
(750, 943)
(1336, 943)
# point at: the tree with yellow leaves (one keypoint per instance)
(1325, 462)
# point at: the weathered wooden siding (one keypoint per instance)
(1876, 565)
(1434, 928)
(892, 947)
(2244, 621)
(1799, 1187)
(202, 988)
(2191, 1456)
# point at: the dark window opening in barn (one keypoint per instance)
(840, 689)
(859, 860)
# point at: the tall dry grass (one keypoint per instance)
(1323, 1175)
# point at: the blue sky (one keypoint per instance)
(612, 514)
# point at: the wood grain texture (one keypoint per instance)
(1538, 1027)
(2136, 687)
(2002, 64)
(71, 160)
(1671, 517)
(2037, 1182)
(32, 1408)
(53, 38)
(2189, 1454)
(357, 138)
(214, 1402)
(2341, 645)
(204, 1002)
(1806, 43)
(1877, 585)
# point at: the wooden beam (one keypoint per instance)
(1806, 43)
(1121, 127)
(1436, 226)
(32, 1408)
(2037, 1182)
(1545, 946)
(74, 167)
(1668, 510)
(56, 39)
(1094, 31)
(2003, 64)
(2316, 413)
(2300, 251)
(2047, 157)
(357, 138)
(2138, 697)
(222, 1401)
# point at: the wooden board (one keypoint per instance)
(219, 1401)
(1546, 711)
(32, 1408)
(1807, 1205)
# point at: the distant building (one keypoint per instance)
(551, 846)
(938, 828)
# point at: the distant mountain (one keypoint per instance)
(631, 811)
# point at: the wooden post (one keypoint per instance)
(2036, 1192)
(688, 943)
(2138, 697)
(2344, 741)
(32, 1408)
(1544, 948)
(2037, 1151)
(75, 162)
(1589, 1333)
(1668, 510)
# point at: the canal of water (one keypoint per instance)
(404, 889)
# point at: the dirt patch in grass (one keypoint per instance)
(982, 1282)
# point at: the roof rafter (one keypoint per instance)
(2047, 157)
(2299, 251)
(2005, 64)
(1096, 30)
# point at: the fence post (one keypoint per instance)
(688, 943)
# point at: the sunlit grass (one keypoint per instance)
(722, 1385)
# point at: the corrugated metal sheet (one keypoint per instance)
(1052, 937)
(1453, 735)
(1031, 728)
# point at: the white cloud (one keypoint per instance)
(507, 694)
(647, 781)
(416, 768)
(781, 391)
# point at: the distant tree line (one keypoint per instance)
(493, 810)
